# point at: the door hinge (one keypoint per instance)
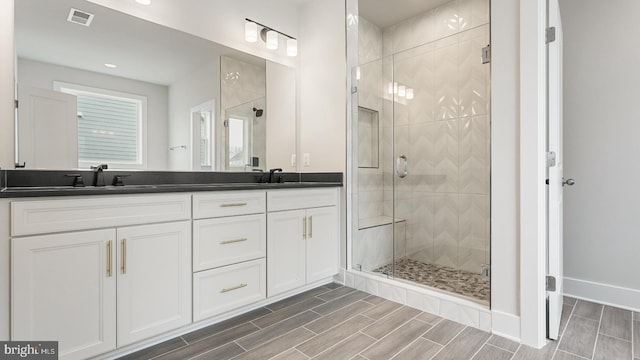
(354, 89)
(551, 159)
(17, 102)
(485, 271)
(550, 34)
(486, 54)
(551, 283)
(226, 123)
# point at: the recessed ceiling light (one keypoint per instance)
(111, 66)
(144, 2)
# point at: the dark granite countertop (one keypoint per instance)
(42, 183)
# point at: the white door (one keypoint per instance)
(286, 251)
(154, 280)
(322, 243)
(556, 180)
(64, 289)
(47, 129)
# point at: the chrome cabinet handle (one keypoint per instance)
(233, 241)
(310, 226)
(569, 182)
(124, 256)
(402, 161)
(109, 259)
(234, 204)
(233, 288)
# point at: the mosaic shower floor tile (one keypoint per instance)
(445, 278)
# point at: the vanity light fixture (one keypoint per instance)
(409, 95)
(402, 90)
(269, 36)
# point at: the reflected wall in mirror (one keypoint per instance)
(136, 95)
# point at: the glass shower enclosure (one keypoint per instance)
(422, 154)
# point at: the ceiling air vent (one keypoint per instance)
(80, 17)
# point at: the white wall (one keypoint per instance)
(197, 87)
(281, 116)
(6, 87)
(220, 21)
(504, 167)
(42, 75)
(601, 148)
(322, 85)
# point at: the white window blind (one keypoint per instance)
(111, 126)
(107, 129)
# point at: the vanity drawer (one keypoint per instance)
(227, 288)
(228, 203)
(229, 240)
(279, 200)
(57, 215)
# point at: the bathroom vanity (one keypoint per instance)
(99, 269)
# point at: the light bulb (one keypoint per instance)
(395, 87)
(402, 90)
(357, 72)
(409, 94)
(251, 31)
(272, 40)
(292, 47)
(390, 88)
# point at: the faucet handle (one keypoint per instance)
(118, 180)
(77, 180)
(100, 167)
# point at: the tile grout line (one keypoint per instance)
(414, 340)
(560, 336)
(515, 352)
(595, 344)
(498, 347)
(633, 348)
(447, 344)
(294, 346)
(572, 354)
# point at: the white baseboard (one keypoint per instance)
(616, 296)
(505, 325)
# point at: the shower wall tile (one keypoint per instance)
(474, 155)
(402, 36)
(422, 107)
(387, 40)
(446, 21)
(423, 28)
(445, 156)
(470, 259)
(446, 79)
(473, 78)
(473, 13)
(369, 41)
(472, 228)
(422, 143)
(446, 229)
(401, 239)
(373, 247)
(422, 223)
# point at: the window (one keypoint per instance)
(111, 126)
(238, 135)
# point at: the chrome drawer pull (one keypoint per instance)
(233, 241)
(233, 288)
(233, 204)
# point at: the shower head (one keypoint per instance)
(258, 112)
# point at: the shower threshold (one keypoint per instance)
(468, 284)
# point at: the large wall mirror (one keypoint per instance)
(98, 86)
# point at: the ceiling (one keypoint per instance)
(142, 50)
(384, 13)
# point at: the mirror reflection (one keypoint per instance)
(98, 86)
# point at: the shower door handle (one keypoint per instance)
(402, 166)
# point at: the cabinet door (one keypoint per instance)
(154, 279)
(285, 251)
(322, 243)
(62, 290)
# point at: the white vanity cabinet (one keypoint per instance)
(229, 250)
(302, 237)
(95, 290)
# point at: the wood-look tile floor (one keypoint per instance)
(336, 322)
